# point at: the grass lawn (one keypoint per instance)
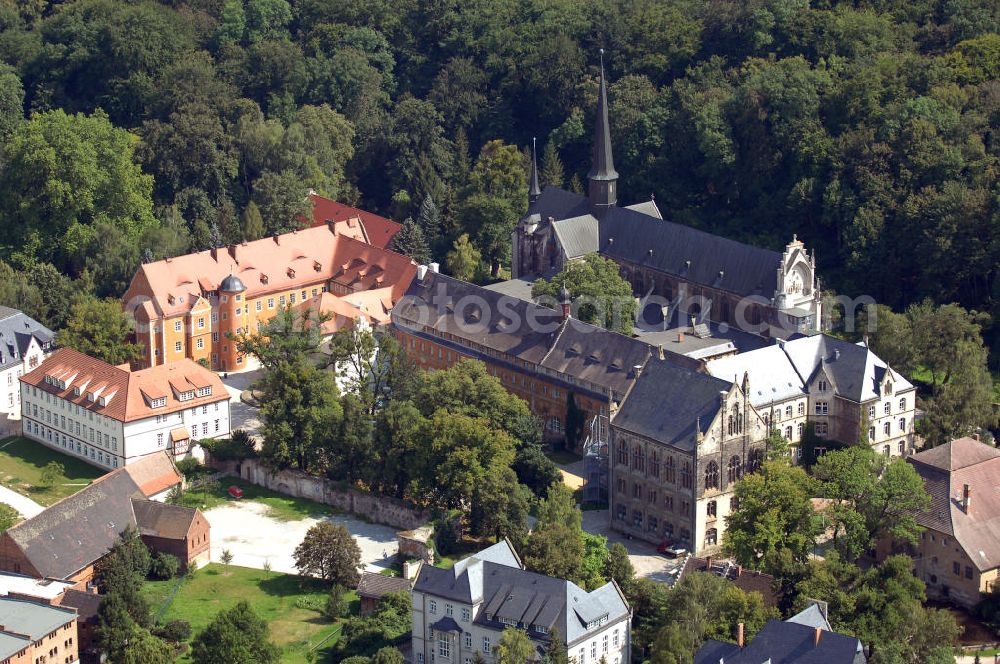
(281, 507)
(21, 465)
(287, 602)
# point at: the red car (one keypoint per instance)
(235, 491)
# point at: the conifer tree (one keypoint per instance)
(552, 173)
(251, 223)
(410, 241)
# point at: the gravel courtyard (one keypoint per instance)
(253, 537)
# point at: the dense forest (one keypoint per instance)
(134, 130)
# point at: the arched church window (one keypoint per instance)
(735, 468)
(712, 475)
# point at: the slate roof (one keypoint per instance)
(377, 586)
(790, 642)
(855, 370)
(16, 331)
(163, 520)
(578, 236)
(648, 208)
(772, 375)
(603, 167)
(78, 530)
(690, 395)
(475, 316)
(86, 604)
(946, 470)
(496, 578)
(22, 622)
(630, 233)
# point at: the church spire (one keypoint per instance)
(602, 176)
(534, 191)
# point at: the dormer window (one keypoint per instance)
(263, 278)
(317, 266)
(185, 396)
(76, 391)
(205, 391)
(291, 273)
(158, 402)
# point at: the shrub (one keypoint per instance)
(336, 603)
(189, 467)
(311, 603)
(448, 533)
(175, 630)
(236, 448)
(164, 566)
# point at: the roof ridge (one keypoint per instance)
(555, 342)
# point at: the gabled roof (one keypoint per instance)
(946, 470)
(772, 375)
(129, 393)
(154, 473)
(379, 231)
(78, 530)
(162, 519)
(524, 330)
(269, 265)
(578, 236)
(667, 402)
(377, 586)
(856, 371)
(507, 591)
(17, 329)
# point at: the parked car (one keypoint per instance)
(235, 492)
(671, 549)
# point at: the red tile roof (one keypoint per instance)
(946, 470)
(154, 473)
(378, 230)
(128, 393)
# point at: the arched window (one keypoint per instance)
(755, 460)
(802, 429)
(735, 468)
(654, 460)
(788, 410)
(711, 537)
(788, 433)
(711, 508)
(712, 475)
(623, 453)
(669, 470)
(638, 458)
(686, 475)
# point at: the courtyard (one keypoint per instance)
(647, 562)
(263, 529)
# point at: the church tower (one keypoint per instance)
(534, 191)
(603, 178)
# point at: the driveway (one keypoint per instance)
(647, 562)
(253, 537)
(242, 416)
(26, 506)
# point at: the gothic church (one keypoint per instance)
(704, 276)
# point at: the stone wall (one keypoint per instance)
(377, 509)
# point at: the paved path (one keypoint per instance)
(647, 562)
(243, 416)
(253, 537)
(26, 506)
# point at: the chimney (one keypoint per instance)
(739, 635)
(434, 267)
(637, 370)
(660, 351)
(215, 254)
(836, 354)
(680, 337)
(966, 496)
(232, 251)
(332, 225)
(275, 238)
(819, 630)
(421, 272)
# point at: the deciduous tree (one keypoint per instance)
(600, 296)
(330, 553)
(235, 636)
(99, 328)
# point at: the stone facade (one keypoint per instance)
(378, 509)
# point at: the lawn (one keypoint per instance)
(290, 604)
(281, 507)
(21, 464)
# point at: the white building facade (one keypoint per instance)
(464, 610)
(111, 416)
(24, 343)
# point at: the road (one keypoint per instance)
(26, 506)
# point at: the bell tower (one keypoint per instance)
(603, 178)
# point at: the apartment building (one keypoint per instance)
(463, 611)
(191, 307)
(112, 416)
(679, 443)
(24, 343)
(35, 633)
(843, 388)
